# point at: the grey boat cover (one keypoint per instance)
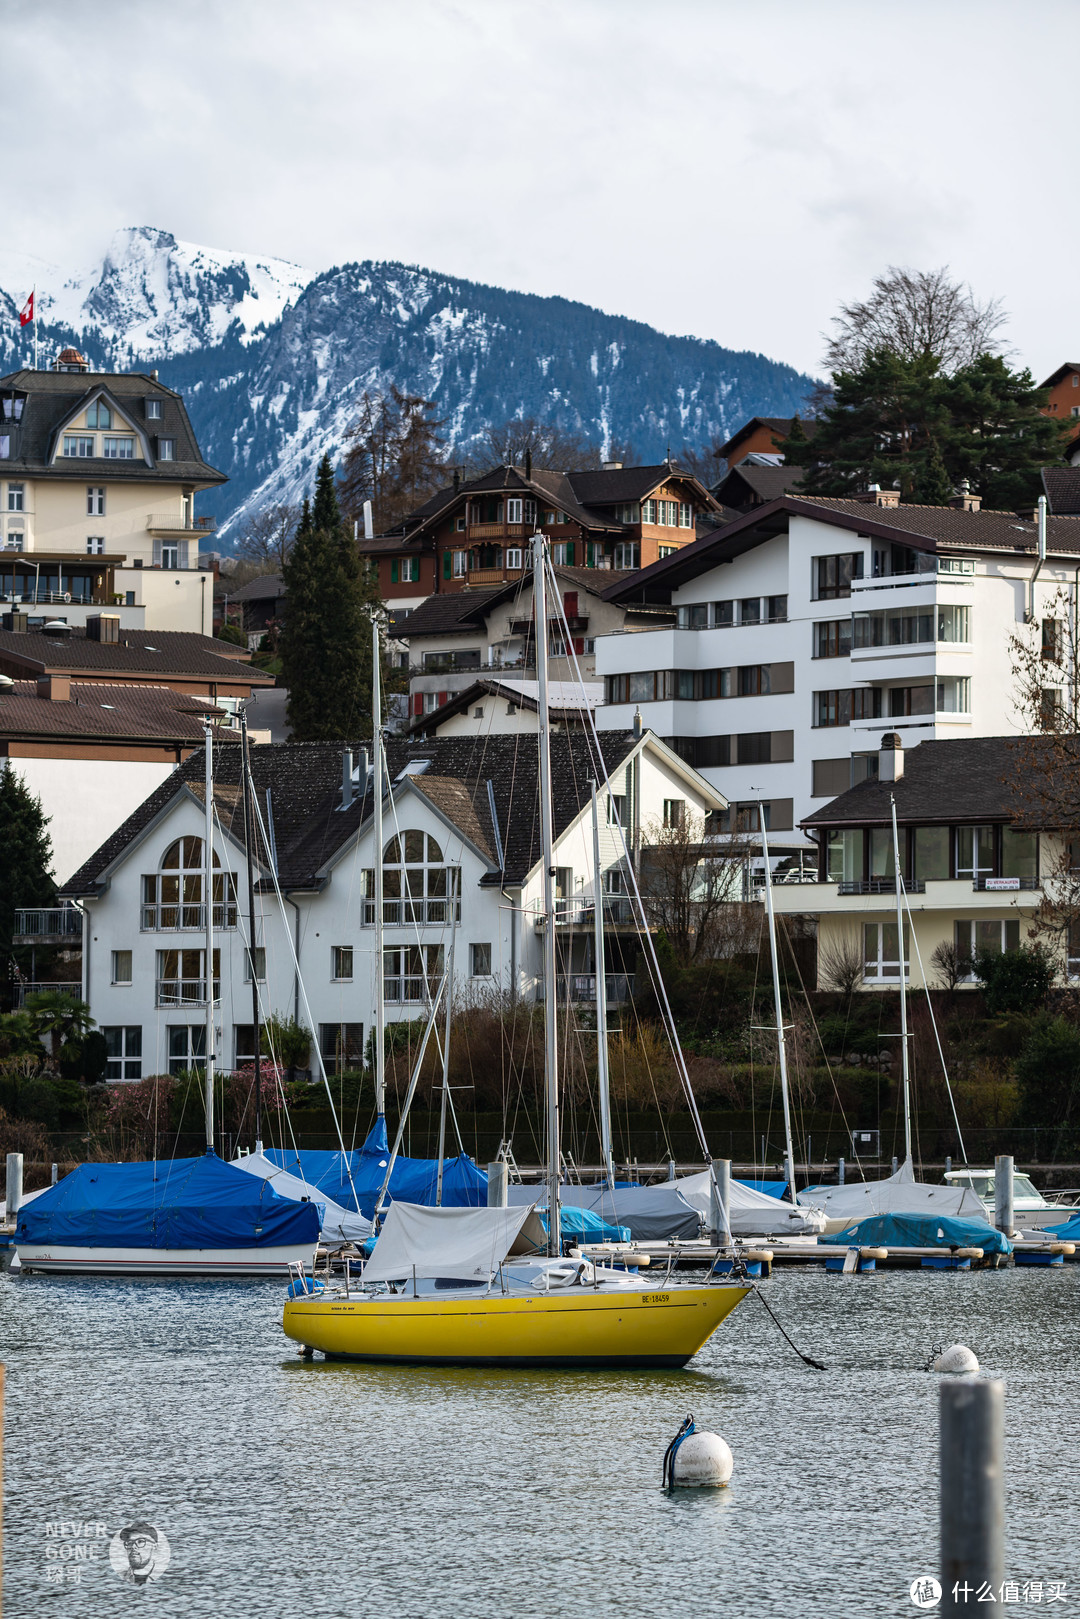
(752, 1213)
(896, 1194)
(651, 1213)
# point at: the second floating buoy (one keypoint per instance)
(958, 1358)
(697, 1459)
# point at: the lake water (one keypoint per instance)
(309, 1489)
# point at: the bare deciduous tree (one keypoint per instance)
(841, 965)
(395, 457)
(692, 889)
(951, 967)
(915, 313)
(267, 536)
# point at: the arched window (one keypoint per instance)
(418, 885)
(173, 895)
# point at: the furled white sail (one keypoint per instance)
(467, 1245)
(336, 1224)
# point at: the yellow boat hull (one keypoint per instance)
(582, 1328)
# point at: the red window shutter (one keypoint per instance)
(418, 702)
(579, 644)
(570, 604)
(443, 698)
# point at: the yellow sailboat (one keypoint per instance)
(451, 1286)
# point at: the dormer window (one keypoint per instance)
(99, 415)
(118, 449)
(78, 445)
(153, 410)
(166, 449)
(11, 407)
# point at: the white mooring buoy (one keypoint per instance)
(697, 1459)
(957, 1358)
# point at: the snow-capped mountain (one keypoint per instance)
(273, 359)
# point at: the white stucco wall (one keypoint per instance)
(86, 800)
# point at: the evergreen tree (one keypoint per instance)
(932, 486)
(325, 640)
(25, 857)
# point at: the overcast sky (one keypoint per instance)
(731, 170)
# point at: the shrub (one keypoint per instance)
(1048, 1071)
(233, 634)
(1014, 980)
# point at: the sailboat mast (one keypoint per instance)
(248, 843)
(600, 965)
(781, 1040)
(446, 1057)
(904, 1063)
(208, 908)
(377, 793)
(547, 845)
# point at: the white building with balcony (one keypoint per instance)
(462, 876)
(975, 867)
(808, 626)
(98, 477)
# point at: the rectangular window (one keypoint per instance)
(954, 695)
(95, 545)
(686, 514)
(95, 501)
(975, 851)
(123, 1052)
(461, 564)
(830, 777)
(832, 638)
(342, 962)
(181, 976)
(514, 511)
(649, 511)
(832, 576)
(881, 951)
(750, 610)
(932, 854)
(153, 410)
(674, 812)
(341, 1046)
(694, 617)
(166, 449)
(627, 556)
(1019, 853)
(908, 700)
(118, 449)
(832, 708)
(121, 966)
(187, 1046)
(260, 965)
(616, 809)
(954, 624)
(984, 937)
(530, 513)
(666, 550)
(15, 497)
(776, 609)
(755, 747)
(1052, 639)
(5, 446)
(75, 444)
(479, 961)
(723, 615)
(243, 1044)
(844, 855)
(564, 882)
(99, 414)
(513, 557)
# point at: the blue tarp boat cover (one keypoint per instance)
(1067, 1231)
(414, 1179)
(770, 1188)
(179, 1203)
(921, 1231)
(585, 1225)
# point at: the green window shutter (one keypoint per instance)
(394, 572)
(446, 564)
(570, 553)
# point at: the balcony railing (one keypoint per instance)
(580, 988)
(407, 913)
(185, 918)
(1005, 885)
(398, 991)
(58, 922)
(174, 523)
(65, 987)
(184, 991)
(880, 885)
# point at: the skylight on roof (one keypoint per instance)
(108, 705)
(151, 649)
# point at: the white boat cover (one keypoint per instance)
(336, 1224)
(650, 1213)
(466, 1245)
(897, 1194)
(752, 1213)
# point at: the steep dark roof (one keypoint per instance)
(310, 828)
(1062, 485)
(53, 397)
(779, 425)
(162, 653)
(267, 587)
(966, 779)
(745, 485)
(448, 613)
(1062, 371)
(627, 483)
(924, 528)
(103, 712)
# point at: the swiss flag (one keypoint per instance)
(26, 314)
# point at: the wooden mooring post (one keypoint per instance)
(972, 1446)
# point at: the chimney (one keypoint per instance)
(16, 622)
(612, 466)
(891, 757)
(103, 627)
(887, 497)
(346, 779)
(54, 688)
(153, 375)
(639, 728)
(363, 766)
(528, 465)
(965, 501)
(457, 479)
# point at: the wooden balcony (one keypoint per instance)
(492, 576)
(495, 531)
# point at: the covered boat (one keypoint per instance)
(642, 1214)
(926, 1231)
(413, 1180)
(337, 1225)
(181, 1217)
(751, 1213)
(896, 1194)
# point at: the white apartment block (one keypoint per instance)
(810, 626)
(98, 478)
